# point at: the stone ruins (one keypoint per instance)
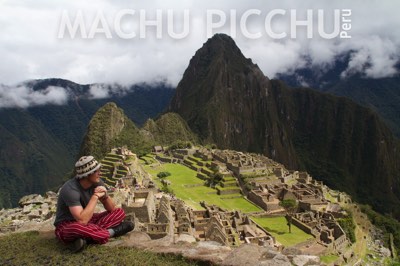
(161, 215)
(263, 181)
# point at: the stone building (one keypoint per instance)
(184, 223)
(219, 229)
(323, 227)
(266, 200)
(141, 204)
(164, 223)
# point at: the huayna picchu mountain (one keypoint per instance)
(227, 100)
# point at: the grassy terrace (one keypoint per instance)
(278, 228)
(147, 159)
(329, 258)
(189, 188)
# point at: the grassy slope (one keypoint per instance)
(278, 228)
(31, 248)
(182, 176)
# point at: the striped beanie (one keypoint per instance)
(85, 166)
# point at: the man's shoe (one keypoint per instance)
(77, 245)
(123, 228)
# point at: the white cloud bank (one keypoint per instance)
(30, 47)
(22, 96)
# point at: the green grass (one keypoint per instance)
(31, 248)
(148, 159)
(329, 258)
(182, 176)
(278, 228)
(226, 188)
(229, 179)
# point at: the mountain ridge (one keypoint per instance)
(380, 94)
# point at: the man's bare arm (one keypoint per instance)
(83, 215)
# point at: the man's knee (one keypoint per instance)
(119, 212)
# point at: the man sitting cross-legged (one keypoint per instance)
(76, 222)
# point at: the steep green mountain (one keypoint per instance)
(381, 95)
(31, 159)
(169, 128)
(110, 128)
(227, 100)
(39, 144)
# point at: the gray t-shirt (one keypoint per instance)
(72, 194)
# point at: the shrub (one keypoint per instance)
(180, 145)
(165, 188)
(163, 174)
(348, 227)
(386, 223)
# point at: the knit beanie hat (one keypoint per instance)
(85, 166)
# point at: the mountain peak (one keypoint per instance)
(221, 43)
(216, 97)
(218, 49)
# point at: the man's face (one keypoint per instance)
(95, 177)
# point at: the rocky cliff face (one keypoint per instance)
(380, 94)
(226, 99)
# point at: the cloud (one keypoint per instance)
(375, 58)
(23, 97)
(99, 91)
(31, 49)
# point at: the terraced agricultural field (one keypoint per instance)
(191, 189)
(277, 226)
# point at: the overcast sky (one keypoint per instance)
(32, 45)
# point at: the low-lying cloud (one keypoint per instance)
(23, 96)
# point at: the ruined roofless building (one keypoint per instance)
(164, 224)
(220, 230)
(183, 218)
(141, 204)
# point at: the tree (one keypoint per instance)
(214, 179)
(163, 174)
(290, 206)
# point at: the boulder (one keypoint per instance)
(385, 252)
(279, 259)
(185, 238)
(302, 260)
(27, 208)
(249, 254)
(51, 195)
(31, 199)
